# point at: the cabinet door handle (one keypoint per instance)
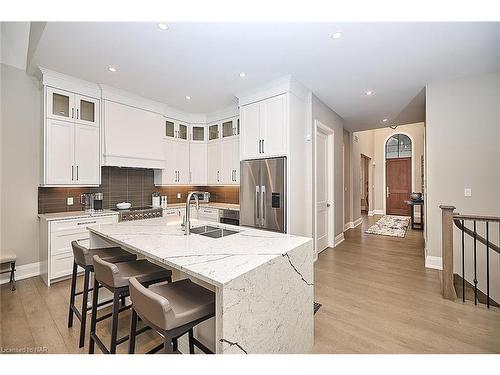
(259, 146)
(72, 113)
(217, 176)
(77, 114)
(262, 146)
(72, 174)
(77, 172)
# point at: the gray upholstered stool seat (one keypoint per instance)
(115, 277)
(83, 257)
(172, 310)
(9, 257)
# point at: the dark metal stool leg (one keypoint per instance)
(72, 295)
(133, 329)
(114, 324)
(84, 309)
(93, 320)
(167, 344)
(175, 343)
(191, 341)
(13, 275)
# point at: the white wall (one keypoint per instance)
(20, 163)
(321, 112)
(362, 143)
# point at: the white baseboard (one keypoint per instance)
(22, 272)
(357, 222)
(434, 262)
(338, 239)
(370, 213)
(348, 226)
(379, 212)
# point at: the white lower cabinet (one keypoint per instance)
(55, 241)
(208, 214)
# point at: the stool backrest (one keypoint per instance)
(150, 305)
(79, 252)
(105, 272)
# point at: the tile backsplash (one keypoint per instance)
(134, 185)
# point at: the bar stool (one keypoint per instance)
(171, 310)
(9, 257)
(83, 258)
(115, 277)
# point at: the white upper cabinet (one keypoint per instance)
(213, 132)
(214, 163)
(197, 163)
(132, 137)
(175, 130)
(87, 167)
(87, 110)
(197, 133)
(59, 152)
(71, 139)
(263, 128)
(230, 161)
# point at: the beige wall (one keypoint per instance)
(328, 117)
(346, 144)
(372, 144)
(20, 163)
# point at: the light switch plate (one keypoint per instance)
(467, 192)
(69, 201)
(178, 195)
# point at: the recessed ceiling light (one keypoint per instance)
(337, 35)
(163, 26)
(188, 97)
(112, 69)
(384, 120)
(243, 74)
(368, 93)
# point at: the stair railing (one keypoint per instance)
(449, 217)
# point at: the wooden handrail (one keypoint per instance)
(457, 219)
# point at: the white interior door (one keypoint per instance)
(87, 155)
(322, 188)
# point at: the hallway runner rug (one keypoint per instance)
(390, 225)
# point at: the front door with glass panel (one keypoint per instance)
(398, 174)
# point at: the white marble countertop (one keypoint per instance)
(75, 215)
(221, 206)
(216, 261)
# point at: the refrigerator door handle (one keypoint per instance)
(263, 204)
(256, 217)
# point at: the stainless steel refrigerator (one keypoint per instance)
(263, 194)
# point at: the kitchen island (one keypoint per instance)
(263, 280)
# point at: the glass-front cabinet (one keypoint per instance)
(213, 132)
(175, 130)
(230, 128)
(197, 133)
(67, 106)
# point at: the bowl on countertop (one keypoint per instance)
(123, 205)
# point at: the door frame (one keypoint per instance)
(412, 165)
(318, 126)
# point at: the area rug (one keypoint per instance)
(389, 225)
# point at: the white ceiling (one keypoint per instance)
(204, 60)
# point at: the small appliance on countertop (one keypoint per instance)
(98, 198)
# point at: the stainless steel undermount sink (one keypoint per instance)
(220, 232)
(203, 229)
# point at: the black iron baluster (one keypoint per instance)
(463, 262)
(475, 267)
(487, 266)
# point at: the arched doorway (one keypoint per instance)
(398, 179)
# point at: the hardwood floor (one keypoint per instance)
(377, 297)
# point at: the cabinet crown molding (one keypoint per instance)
(68, 83)
(277, 87)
